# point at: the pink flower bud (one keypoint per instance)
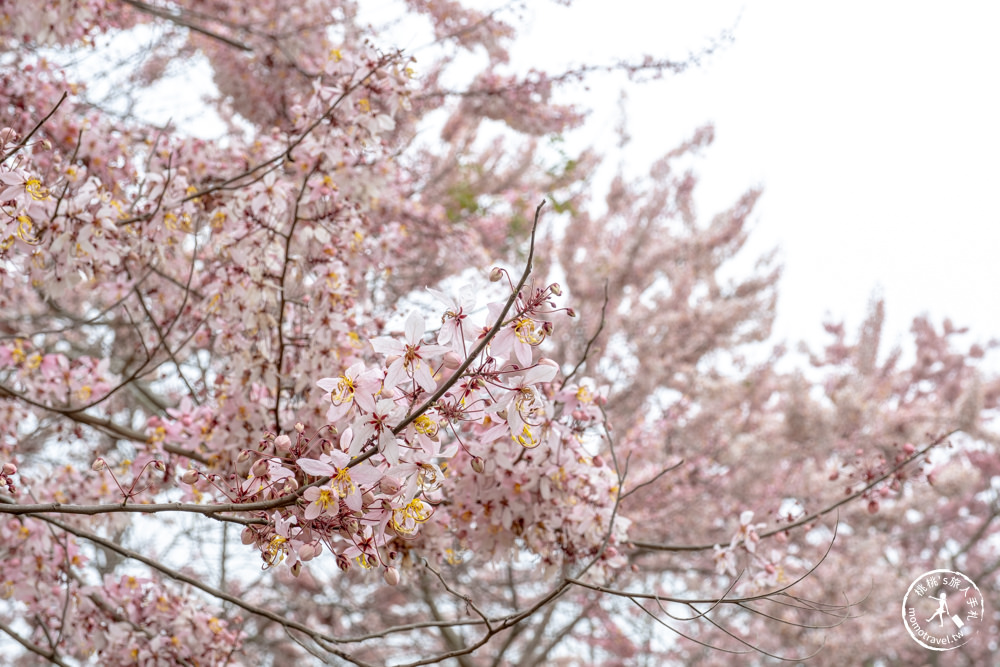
(571, 312)
(247, 536)
(389, 486)
(307, 552)
(244, 460)
(189, 476)
(598, 461)
(452, 360)
(259, 468)
(909, 449)
(478, 464)
(9, 469)
(391, 576)
(496, 274)
(555, 289)
(770, 569)
(282, 444)
(98, 465)
(368, 498)
(291, 485)
(872, 506)
(296, 569)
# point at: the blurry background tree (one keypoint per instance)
(212, 349)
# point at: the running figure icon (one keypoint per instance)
(941, 610)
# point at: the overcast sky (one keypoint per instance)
(872, 127)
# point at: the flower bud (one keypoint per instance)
(282, 444)
(452, 360)
(98, 465)
(291, 485)
(391, 576)
(598, 461)
(368, 498)
(872, 506)
(478, 464)
(496, 274)
(343, 563)
(189, 476)
(297, 568)
(555, 289)
(389, 486)
(299, 427)
(248, 537)
(158, 465)
(307, 552)
(243, 462)
(909, 449)
(259, 468)
(571, 312)
(9, 469)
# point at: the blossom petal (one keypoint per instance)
(414, 327)
(316, 467)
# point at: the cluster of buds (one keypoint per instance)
(7, 473)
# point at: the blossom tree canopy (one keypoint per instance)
(338, 384)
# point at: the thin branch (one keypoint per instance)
(214, 592)
(23, 142)
(593, 339)
(178, 19)
(51, 656)
(652, 546)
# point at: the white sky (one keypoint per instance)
(874, 129)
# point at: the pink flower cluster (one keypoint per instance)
(377, 481)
